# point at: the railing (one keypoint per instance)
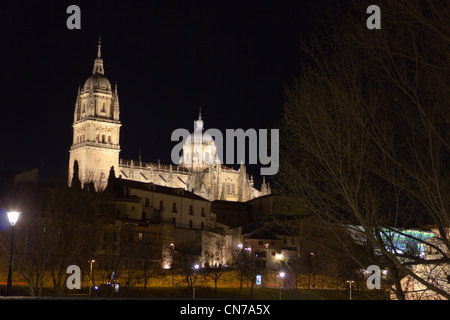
(95, 144)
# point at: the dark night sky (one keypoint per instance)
(168, 58)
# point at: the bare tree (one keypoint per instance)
(57, 228)
(213, 257)
(365, 131)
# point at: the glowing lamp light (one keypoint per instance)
(279, 256)
(282, 274)
(13, 216)
(196, 266)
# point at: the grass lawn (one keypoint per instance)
(246, 294)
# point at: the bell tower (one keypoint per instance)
(96, 128)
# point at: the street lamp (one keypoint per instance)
(350, 283)
(92, 278)
(13, 216)
(173, 259)
(281, 274)
(195, 279)
(313, 271)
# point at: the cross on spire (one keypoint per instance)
(99, 52)
(98, 64)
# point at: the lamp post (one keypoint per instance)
(195, 279)
(350, 283)
(92, 278)
(173, 259)
(281, 274)
(267, 254)
(313, 271)
(13, 216)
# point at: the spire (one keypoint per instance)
(98, 64)
(99, 52)
(198, 125)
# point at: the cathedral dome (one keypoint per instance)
(97, 81)
(200, 137)
(199, 148)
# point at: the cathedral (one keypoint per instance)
(96, 148)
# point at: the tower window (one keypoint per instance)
(97, 138)
(196, 157)
(109, 139)
(103, 138)
(103, 107)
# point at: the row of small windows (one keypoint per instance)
(191, 224)
(98, 138)
(103, 138)
(103, 109)
(175, 207)
(81, 138)
(272, 243)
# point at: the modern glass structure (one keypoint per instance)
(408, 242)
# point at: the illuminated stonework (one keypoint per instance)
(96, 147)
(96, 128)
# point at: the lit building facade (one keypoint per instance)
(96, 148)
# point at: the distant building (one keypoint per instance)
(16, 177)
(436, 274)
(96, 148)
(187, 223)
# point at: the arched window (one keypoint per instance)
(103, 107)
(196, 157)
(103, 138)
(97, 138)
(109, 139)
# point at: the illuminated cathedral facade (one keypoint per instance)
(96, 148)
